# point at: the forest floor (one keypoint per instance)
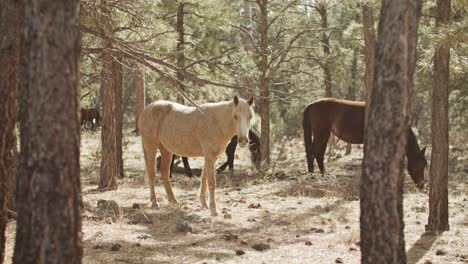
(283, 216)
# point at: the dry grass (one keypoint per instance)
(295, 208)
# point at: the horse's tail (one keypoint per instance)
(308, 139)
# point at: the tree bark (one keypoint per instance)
(325, 39)
(109, 163)
(264, 84)
(381, 192)
(139, 85)
(11, 194)
(180, 48)
(48, 184)
(438, 186)
(247, 22)
(117, 76)
(10, 20)
(326, 66)
(352, 89)
(369, 50)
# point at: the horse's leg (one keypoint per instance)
(311, 153)
(188, 171)
(149, 150)
(172, 166)
(166, 159)
(203, 189)
(211, 178)
(230, 151)
(223, 167)
(320, 149)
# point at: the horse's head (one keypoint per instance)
(416, 168)
(242, 114)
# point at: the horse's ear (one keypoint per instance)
(423, 151)
(236, 100)
(251, 100)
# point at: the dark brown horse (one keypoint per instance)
(345, 119)
(90, 116)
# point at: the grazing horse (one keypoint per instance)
(192, 132)
(254, 147)
(345, 119)
(90, 115)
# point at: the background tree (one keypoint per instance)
(180, 47)
(381, 192)
(264, 81)
(49, 210)
(369, 49)
(139, 84)
(117, 76)
(352, 89)
(321, 8)
(9, 55)
(111, 97)
(438, 188)
(325, 41)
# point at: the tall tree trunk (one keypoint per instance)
(109, 161)
(382, 239)
(139, 85)
(264, 84)
(352, 89)
(10, 21)
(117, 76)
(325, 39)
(438, 189)
(247, 22)
(180, 48)
(369, 50)
(49, 199)
(326, 66)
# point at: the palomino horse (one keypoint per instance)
(254, 147)
(345, 119)
(90, 116)
(192, 132)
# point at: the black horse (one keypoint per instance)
(90, 117)
(254, 147)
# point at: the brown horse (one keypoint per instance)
(90, 116)
(345, 119)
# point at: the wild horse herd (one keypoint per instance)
(205, 130)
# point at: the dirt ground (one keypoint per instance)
(283, 216)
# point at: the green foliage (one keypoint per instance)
(215, 50)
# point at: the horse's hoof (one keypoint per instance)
(155, 205)
(214, 213)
